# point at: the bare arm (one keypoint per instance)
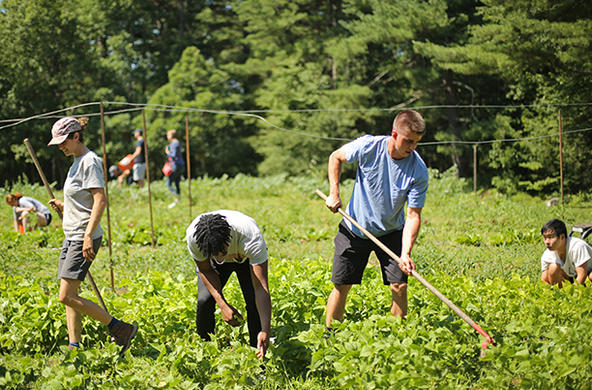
(410, 233)
(214, 286)
(263, 300)
(582, 273)
(99, 203)
(336, 160)
(137, 152)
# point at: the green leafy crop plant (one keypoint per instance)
(541, 332)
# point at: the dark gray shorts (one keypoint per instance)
(352, 253)
(72, 264)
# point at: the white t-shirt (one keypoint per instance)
(85, 173)
(246, 240)
(577, 252)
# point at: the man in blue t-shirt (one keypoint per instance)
(390, 173)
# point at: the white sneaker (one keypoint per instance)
(172, 205)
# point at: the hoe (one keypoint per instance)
(50, 192)
(488, 339)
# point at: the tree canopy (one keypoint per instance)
(273, 87)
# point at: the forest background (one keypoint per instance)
(322, 72)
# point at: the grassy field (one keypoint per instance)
(481, 250)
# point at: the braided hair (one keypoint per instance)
(212, 234)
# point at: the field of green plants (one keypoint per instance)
(480, 250)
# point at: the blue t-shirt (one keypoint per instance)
(140, 157)
(175, 153)
(383, 186)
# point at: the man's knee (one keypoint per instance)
(555, 274)
(342, 288)
(398, 288)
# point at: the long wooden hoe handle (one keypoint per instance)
(50, 192)
(448, 302)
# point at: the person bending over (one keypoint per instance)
(23, 207)
(390, 174)
(566, 258)
(222, 242)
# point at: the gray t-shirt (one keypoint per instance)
(26, 202)
(85, 173)
(246, 240)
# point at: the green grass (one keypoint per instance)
(481, 250)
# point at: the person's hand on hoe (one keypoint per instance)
(57, 205)
(333, 202)
(407, 265)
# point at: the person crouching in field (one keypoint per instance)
(222, 242)
(566, 258)
(390, 174)
(23, 207)
(83, 205)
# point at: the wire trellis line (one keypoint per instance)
(254, 114)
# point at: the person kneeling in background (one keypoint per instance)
(223, 242)
(566, 258)
(23, 208)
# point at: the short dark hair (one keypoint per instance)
(555, 225)
(409, 120)
(212, 234)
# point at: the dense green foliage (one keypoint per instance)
(481, 250)
(330, 69)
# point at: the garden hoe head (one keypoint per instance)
(488, 340)
(428, 285)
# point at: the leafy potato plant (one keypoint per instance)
(541, 331)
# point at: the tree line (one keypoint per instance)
(476, 70)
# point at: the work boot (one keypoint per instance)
(123, 333)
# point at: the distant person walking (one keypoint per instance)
(23, 207)
(222, 242)
(139, 168)
(566, 258)
(390, 174)
(83, 205)
(175, 158)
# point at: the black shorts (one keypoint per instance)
(352, 253)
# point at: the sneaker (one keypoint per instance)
(172, 205)
(123, 333)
